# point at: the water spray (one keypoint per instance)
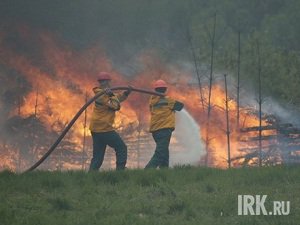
(68, 127)
(188, 134)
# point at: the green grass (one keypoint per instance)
(184, 195)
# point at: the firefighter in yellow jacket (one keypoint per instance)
(101, 125)
(162, 124)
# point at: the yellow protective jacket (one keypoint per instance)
(104, 111)
(162, 113)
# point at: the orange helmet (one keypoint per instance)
(160, 84)
(103, 76)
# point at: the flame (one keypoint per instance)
(62, 79)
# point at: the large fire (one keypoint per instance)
(61, 79)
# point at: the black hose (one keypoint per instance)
(68, 127)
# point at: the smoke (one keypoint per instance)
(282, 112)
(285, 114)
(187, 133)
(249, 100)
(124, 30)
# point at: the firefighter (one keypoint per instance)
(162, 124)
(101, 125)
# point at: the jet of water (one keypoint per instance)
(186, 145)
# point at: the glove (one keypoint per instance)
(178, 106)
(127, 92)
(108, 92)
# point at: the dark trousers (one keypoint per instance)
(161, 155)
(112, 139)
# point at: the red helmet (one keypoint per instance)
(160, 84)
(103, 76)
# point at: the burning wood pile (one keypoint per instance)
(280, 143)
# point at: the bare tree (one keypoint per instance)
(212, 41)
(259, 101)
(227, 123)
(238, 82)
(189, 38)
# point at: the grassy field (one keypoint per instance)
(183, 195)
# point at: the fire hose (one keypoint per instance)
(68, 127)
